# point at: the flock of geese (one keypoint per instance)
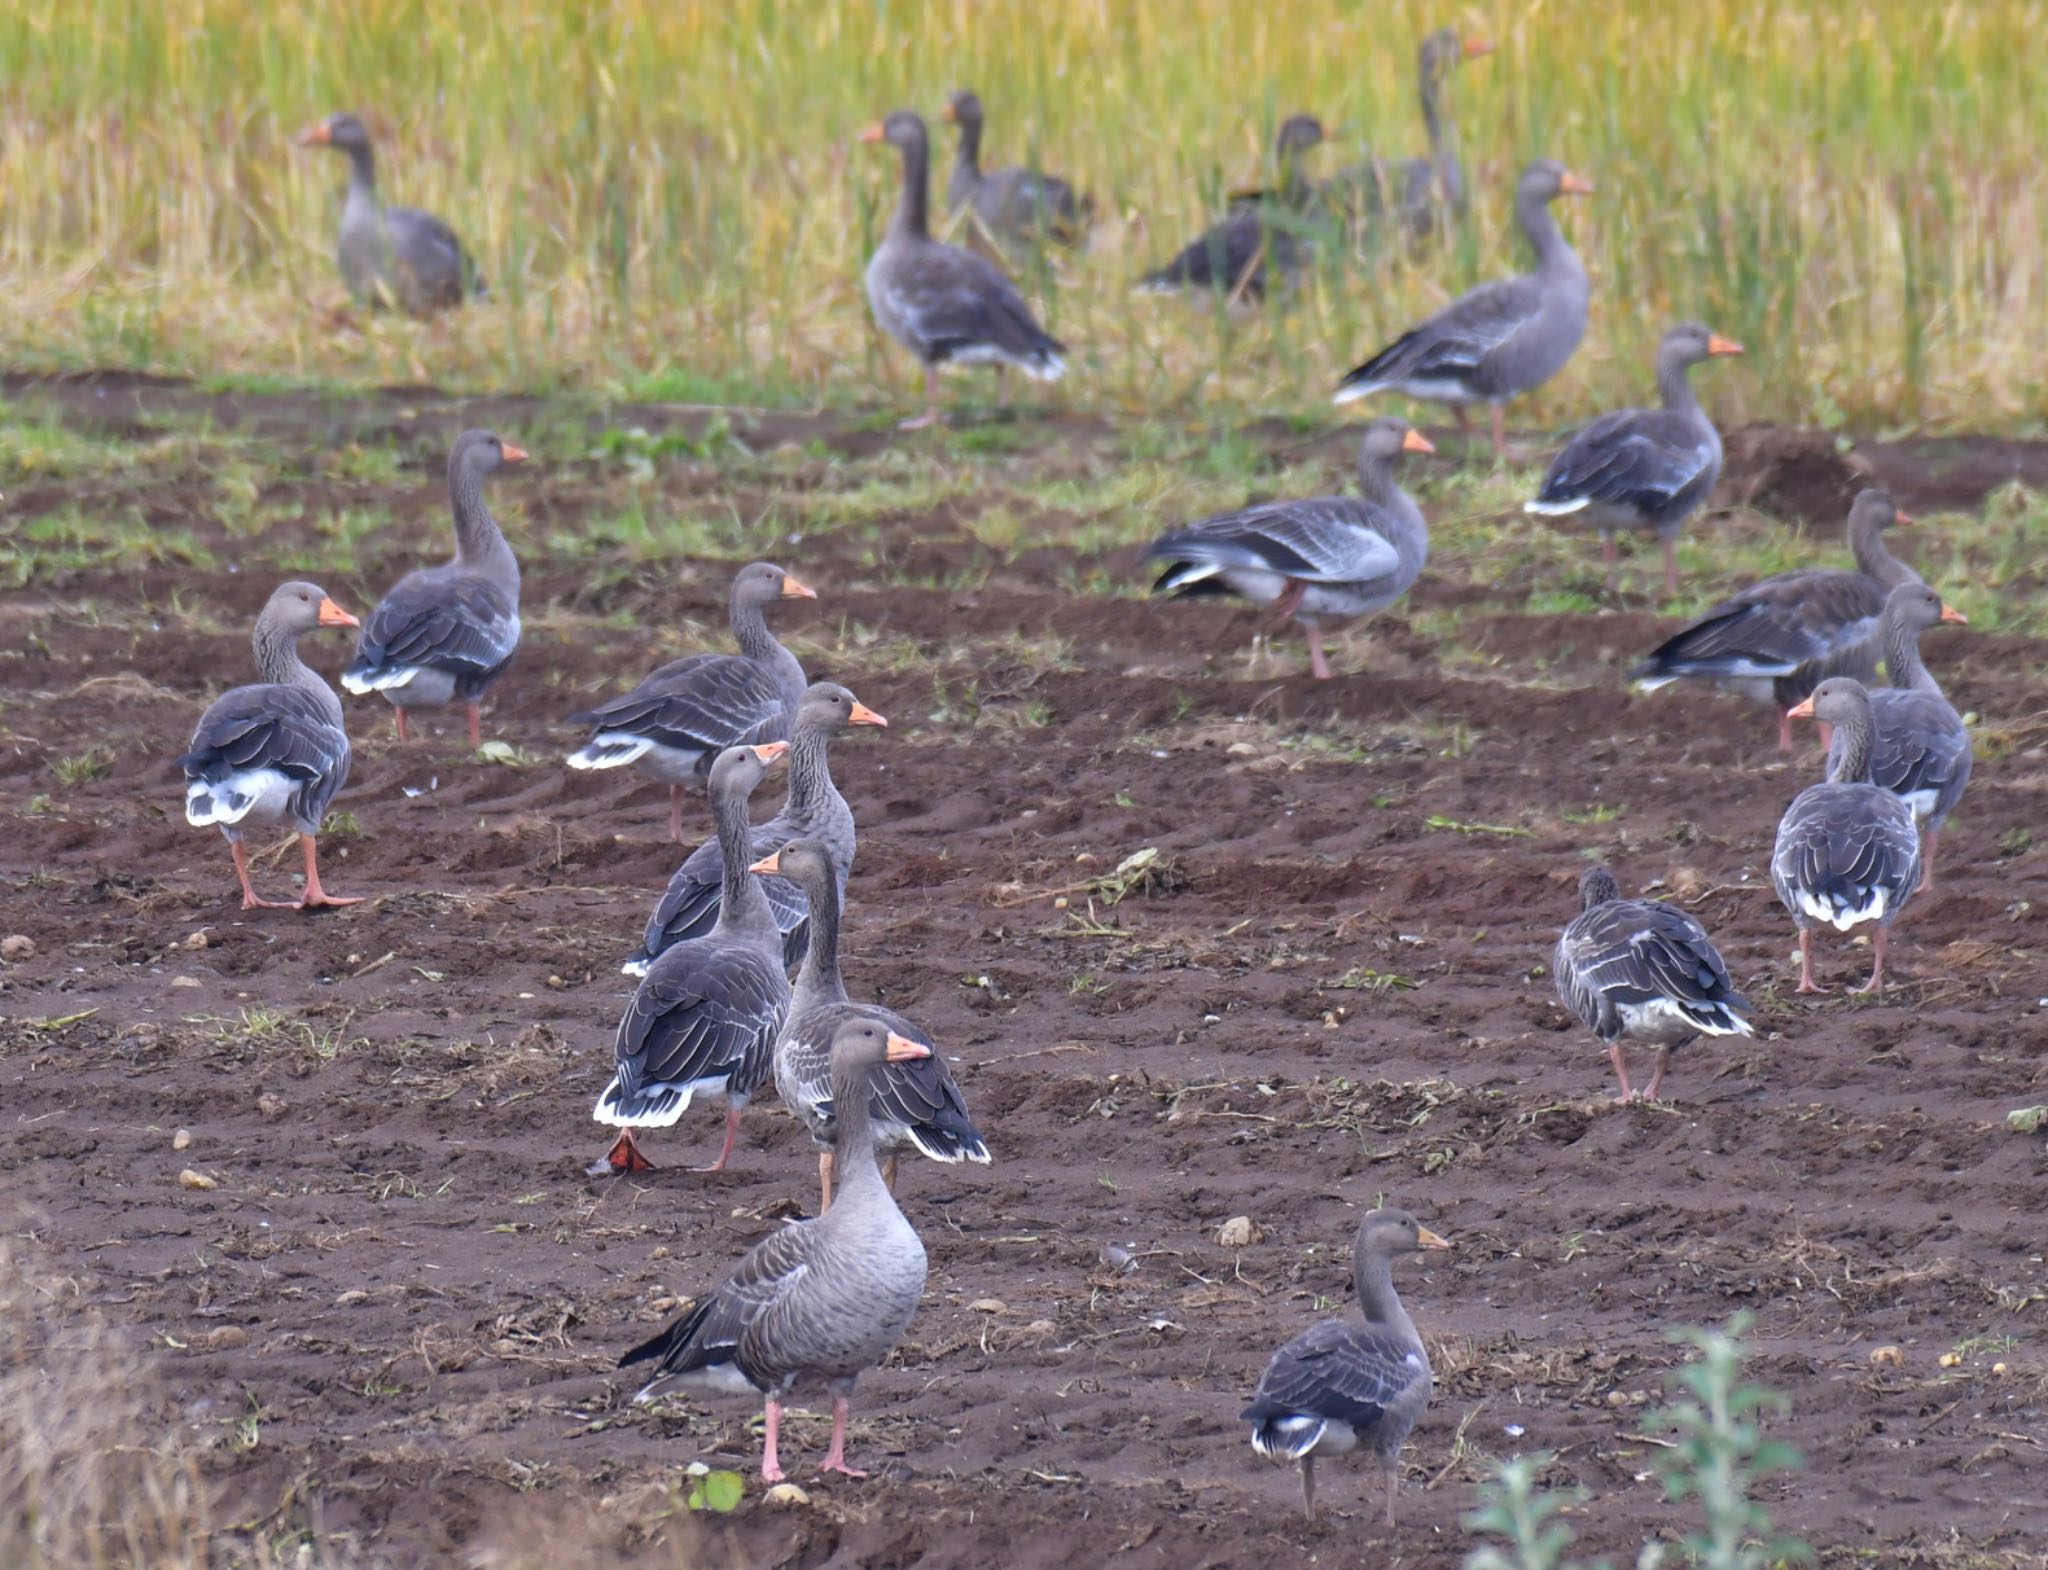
(714, 1016)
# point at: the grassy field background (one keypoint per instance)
(668, 201)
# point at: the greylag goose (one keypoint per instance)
(448, 632)
(1644, 468)
(704, 1018)
(391, 256)
(1417, 192)
(274, 752)
(915, 1105)
(819, 1302)
(1329, 558)
(1638, 970)
(1018, 203)
(1777, 640)
(1343, 1383)
(813, 809)
(1263, 238)
(941, 302)
(1501, 339)
(682, 716)
(1920, 748)
(1848, 851)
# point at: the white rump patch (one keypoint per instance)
(610, 749)
(386, 680)
(1545, 509)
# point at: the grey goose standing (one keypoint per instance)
(1324, 559)
(391, 256)
(1848, 851)
(1501, 339)
(680, 717)
(1920, 748)
(704, 1018)
(941, 302)
(1778, 639)
(448, 632)
(1417, 193)
(817, 1302)
(1343, 1383)
(813, 809)
(275, 751)
(1641, 971)
(1263, 239)
(914, 1105)
(1644, 468)
(1017, 203)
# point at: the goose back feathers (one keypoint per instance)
(391, 256)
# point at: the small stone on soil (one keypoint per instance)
(270, 1106)
(16, 947)
(1887, 1357)
(787, 1494)
(1239, 1232)
(182, 1140)
(185, 981)
(199, 1180)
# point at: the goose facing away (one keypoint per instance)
(391, 256)
(813, 809)
(818, 1302)
(276, 751)
(704, 1018)
(1018, 203)
(1500, 339)
(912, 1106)
(1638, 970)
(679, 718)
(1644, 468)
(1262, 241)
(448, 632)
(942, 302)
(1316, 561)
(1848, 851)
(1780, 638)
(1344, 1383)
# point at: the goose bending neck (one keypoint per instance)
(1874, 558)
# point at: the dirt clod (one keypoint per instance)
(17, 947)
(1239, 1232)
(196, 1180)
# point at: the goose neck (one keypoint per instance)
(1373, 1275)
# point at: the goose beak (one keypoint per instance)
(863, 715)
(1802, 710)
(949, 113)
(332, 615)
(769, 751)
(792, 590)
(903, 1050)
(1902, 518)
(873, 133)
(1574, 185)
(1716, 344)
(1475, 47)
(315, 136)
(514, 454)
(1948, 613)
(1429, 1239)
(1415, 441)
(769, 865)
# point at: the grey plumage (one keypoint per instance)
(1265, 238)
(1415, 194)
(1017, 203)
(391, 256)
(1920, 748)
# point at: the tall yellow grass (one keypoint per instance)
(666, 197)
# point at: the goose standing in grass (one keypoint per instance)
(448, 632)
(1262, 241)
(1501, 339)
(1419, 193)
(1018, 203)
(1777, 640)
(276, 751)
(1638, 970)
(1848, 851)
(682, 716)
(1644, 468)
(391, 256)
(704, 1018)
(818, 1302)
(813, 809)
(1920, 748)
(1322, 560)
(941, 302)
(914, 1105)
(1344, 1383)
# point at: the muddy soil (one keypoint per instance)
(1330, 990)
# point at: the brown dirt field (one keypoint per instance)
(431, 1296)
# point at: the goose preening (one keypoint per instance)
(1848, 851)
(1500, 339)
(1418, 193)
(448, 632)
(1641, 971)
(1778, 639)
(275, 751)
(913, 1105)
(1322, 560)
(391, 256)
(813, 809)
(1261, 241)
(704, 1018)
(1920, 748)
(1343, 1383)
(941, 302)
(683, 715)
(819, 1302)
(1017, 203)
(1644, 468)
